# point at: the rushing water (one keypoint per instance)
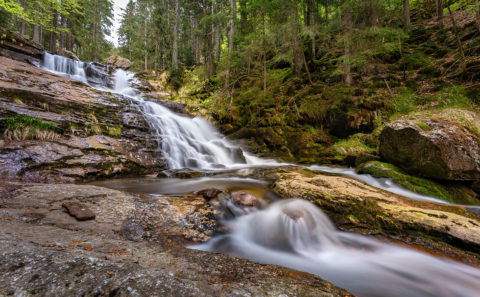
(292, 233)
(296, 234)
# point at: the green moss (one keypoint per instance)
(423, 126)
(354, 145)
(115, 132)
(454, 193)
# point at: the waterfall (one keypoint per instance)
(90, 73)
(296, 234)
(186, 142)
(65, 66)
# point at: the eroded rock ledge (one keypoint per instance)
(55, 129)
(125, 251)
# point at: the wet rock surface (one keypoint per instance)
(134, 247)
(435, 148)
(16, 46)
(96, 134)
(353, 205)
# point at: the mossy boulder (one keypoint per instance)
(452, 192)
(435, 148)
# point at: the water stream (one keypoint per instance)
(291, 233)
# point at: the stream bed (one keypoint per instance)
(289, 232)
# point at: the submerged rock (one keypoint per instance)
(245, 199)
(209, 193)
(435, 148)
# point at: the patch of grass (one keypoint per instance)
(23, 127)
(404, 102)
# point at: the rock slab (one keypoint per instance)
(79, 210)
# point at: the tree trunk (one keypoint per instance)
(243, 17)
(175, 38)
(196, 42)
(347, 40)
(326, 15)
(439, 4)
(297, 51)
(53, 34)
(63, 25)
(36, 26)
(231, 34)
(145, 43)
(406, 13)
(459, 42)
(373, 13)
(477, 13)
(23, 26)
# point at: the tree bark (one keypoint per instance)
(175, 38)
(145, 43)
(53, 34)
(439, 4)
(297, 51)
(231, 34)
(459, 42)
(347, 40)
(406, 13)
(243, 17)
(477, 13)
(23, 26)
(36, 26)
(373, 13)
(326, 15)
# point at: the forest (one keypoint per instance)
(240, 148)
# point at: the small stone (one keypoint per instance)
(209, 193)
(245, 199)
(79, 210)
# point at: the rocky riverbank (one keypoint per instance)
(63, 239)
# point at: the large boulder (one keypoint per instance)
(119, 62)
(435, 148)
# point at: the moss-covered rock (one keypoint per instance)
(455, 193)
(435, 148)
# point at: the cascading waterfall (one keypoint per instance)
(296, 234)
(187, 142)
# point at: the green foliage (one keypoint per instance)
(23, 127)
(40, 12)
(404, 102)
(25, 121)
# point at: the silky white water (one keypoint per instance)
(65, 66)
(296, 234)
(292, 233)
